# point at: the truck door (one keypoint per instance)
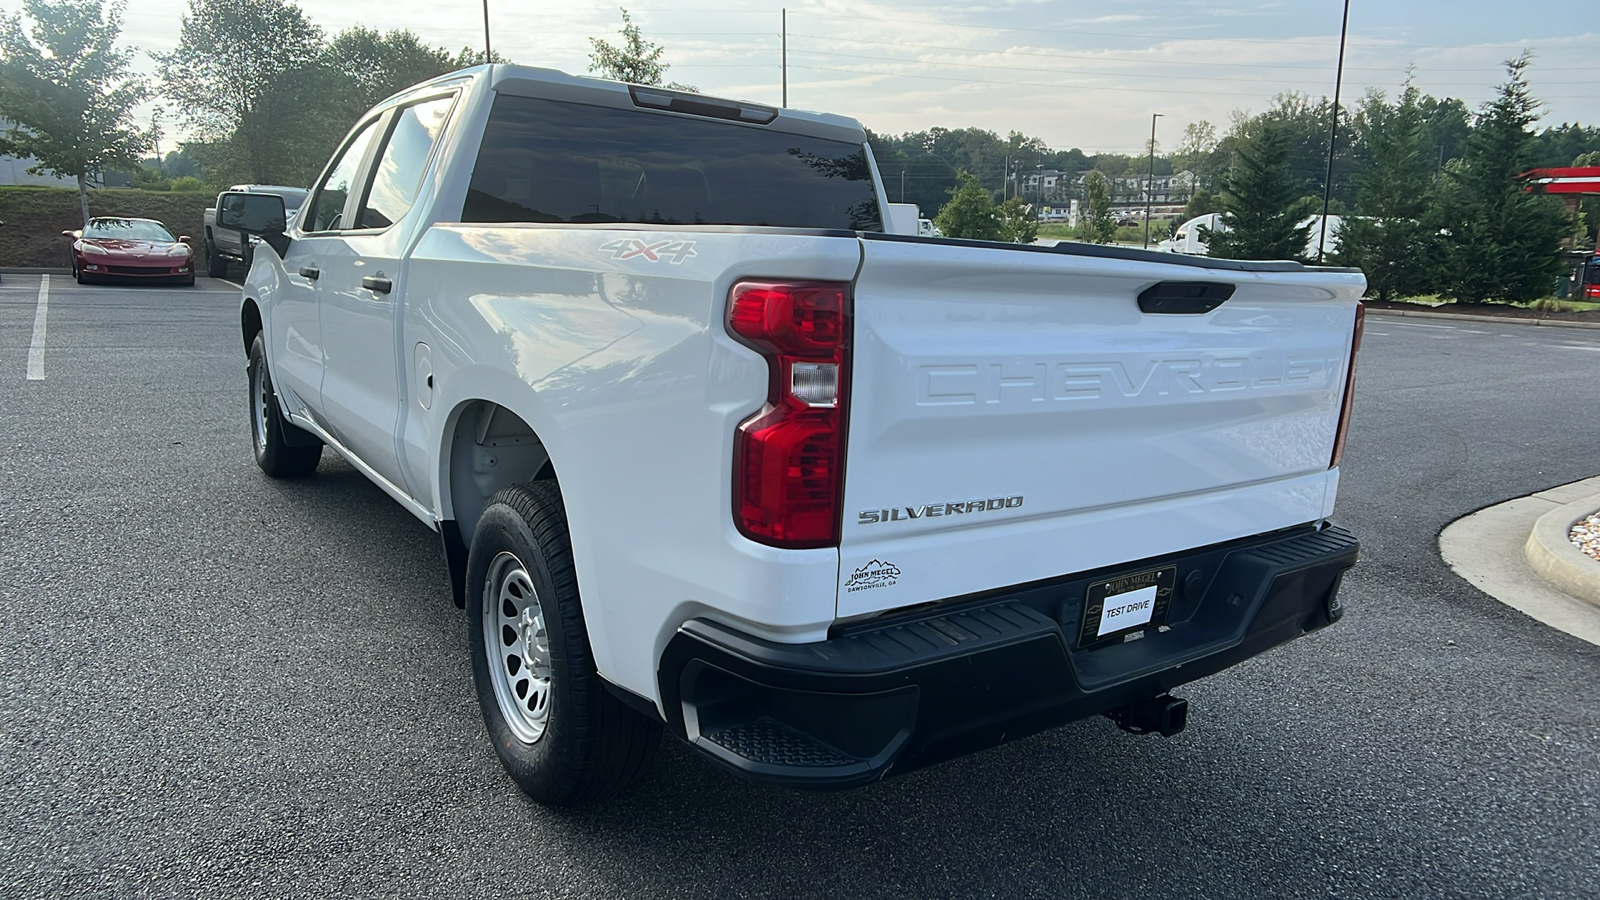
(295, 330)
(363, 382)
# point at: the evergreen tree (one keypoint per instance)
(970, 213)
(1096, 224)
(1387, 240)
(68, 91)
(1260, 202)
(635, 60)
(1499, 240)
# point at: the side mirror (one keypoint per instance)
(70, 234)
(258, 214)
(184, 239)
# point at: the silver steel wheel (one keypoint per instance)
(260, 391)
(517, 647)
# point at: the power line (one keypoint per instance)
(1158, 62)
(1110, 74)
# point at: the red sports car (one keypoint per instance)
(138, 249)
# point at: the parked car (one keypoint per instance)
(712, 452)
(223, 245)
(112, 247)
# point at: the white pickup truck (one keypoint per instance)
(710, 452)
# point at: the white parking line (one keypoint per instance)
(36, 349)
(1420, 325)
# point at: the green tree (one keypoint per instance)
(241, 74)
(1197, 145)
(1500, 241)
(970, 213)
(1203, 202)
(1387, 239)
(1259, 203)
(68, 91)
(1017, 222)
(369, 66)
(635, 60)
(1096, 224)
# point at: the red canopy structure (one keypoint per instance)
(1569, 180)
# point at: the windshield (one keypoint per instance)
(293, 198)
(127, 230)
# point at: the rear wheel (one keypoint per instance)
(281, 449)
(560, 734)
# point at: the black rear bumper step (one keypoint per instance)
(889, 696)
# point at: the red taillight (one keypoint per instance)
(1349, 387)
(1592, 291)
(788, 458)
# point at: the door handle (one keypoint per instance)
(377, 283)
(311, 272)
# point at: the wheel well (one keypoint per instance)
(250, 319)
(490, 448)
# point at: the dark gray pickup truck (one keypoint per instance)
(224, 244)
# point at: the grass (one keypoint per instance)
(1125, 234)
(1543, 304)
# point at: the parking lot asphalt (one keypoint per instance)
(217, 685)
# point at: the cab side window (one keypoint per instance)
(328, 208)
(398, 175)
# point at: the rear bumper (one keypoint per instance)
(892, 695)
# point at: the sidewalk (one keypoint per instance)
(1518, 553)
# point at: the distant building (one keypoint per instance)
(14, 171)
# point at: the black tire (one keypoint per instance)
(216, 263)
(282, 450)
(591, 745)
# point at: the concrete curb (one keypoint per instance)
(1554, 557)
(1498, 320)
(1487, 549)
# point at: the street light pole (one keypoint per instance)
(488, 54)
(1150, 186)
(1333, 133)
(783, 59)
(902, 185)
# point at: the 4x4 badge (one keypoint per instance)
(674, 252)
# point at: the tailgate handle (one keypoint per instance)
(1184, 297)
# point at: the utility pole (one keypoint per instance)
(1005, 182)
(488, 55)
(1333, 133)
(784, 60)
(1150, 186)
(902, 185)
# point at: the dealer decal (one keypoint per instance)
(672, 251)
(875, 574)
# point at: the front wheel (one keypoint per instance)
(282, 450)
(559, 733)
(216, 263)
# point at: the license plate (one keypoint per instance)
(1126, 604)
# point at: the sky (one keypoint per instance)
(1073, 73)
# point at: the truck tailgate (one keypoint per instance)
(1015, 416)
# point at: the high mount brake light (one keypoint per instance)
(1349, 387)
(788, 458)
